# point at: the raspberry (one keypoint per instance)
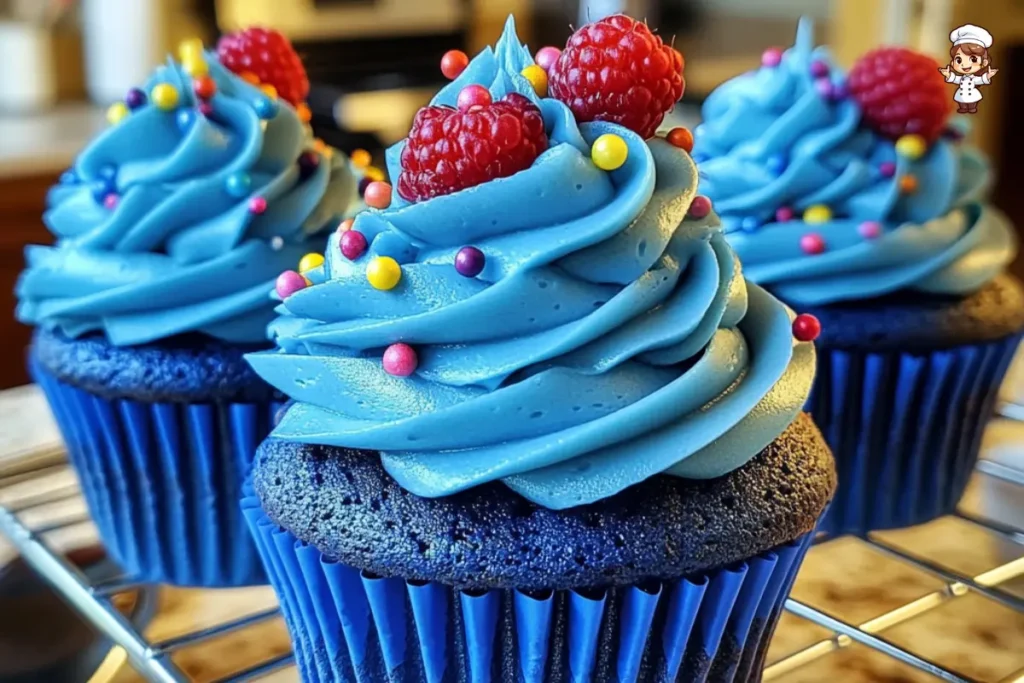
(617, 70)
(449, 150)
(270, 57)
(900, 92)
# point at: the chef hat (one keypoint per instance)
(969, 33)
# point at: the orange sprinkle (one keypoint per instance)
(681, 138)
(305, 115)
(908, 184)
(269, 90)
(361, 158)
(250, 78)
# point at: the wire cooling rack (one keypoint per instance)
(153, 659)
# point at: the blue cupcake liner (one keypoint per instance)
(347, 625)
(905, 429)
(162, 481)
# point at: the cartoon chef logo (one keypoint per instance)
(969, 66)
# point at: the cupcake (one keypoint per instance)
(171, 229)
(853, 199)
(541, 426)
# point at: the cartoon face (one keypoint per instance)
(966, 63)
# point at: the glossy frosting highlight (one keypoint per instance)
(181, 251)
(608, 339)
(770, 140)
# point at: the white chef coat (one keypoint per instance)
(968, 91)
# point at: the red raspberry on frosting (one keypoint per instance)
(617, 70)
(270, 57)
(900, 92)
(449, 150)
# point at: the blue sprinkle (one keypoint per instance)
(750, 224)
(776, 164)
(185, 118)
(100, 189)
(108, 172)
(68, 177)
(266, 108)
(238, 184)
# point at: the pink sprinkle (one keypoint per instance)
(700, 207)
(288, 283)
(771, 57)
(869, 230)
(887, 169)
(547, 56)
(378, 195)
(812, 243)
(400, 360)
(111, 200)
(353, 244)
(783, 214)
(257, 205)
(474, 96)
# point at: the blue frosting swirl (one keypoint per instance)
(609, 338)
(770, 140)
(181, 251)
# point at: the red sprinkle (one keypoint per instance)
(812, 243)
(700, 207)
(453, 64)
(257, 205)
(681, 138)
(806, 327)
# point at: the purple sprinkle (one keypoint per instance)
(470, 261)
(869, 230)
(308, 163)
(819, 69)
(824, 88)
(783, 214)
(887, 169)
(206, 109)
(353, 244)
(135, 98)
(840, 91)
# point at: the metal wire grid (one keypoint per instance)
(153, 659)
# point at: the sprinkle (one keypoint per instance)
(108, 172)
(135, 98)
(363, 184)
(206, 109)
(700, 207)
(345, 225)
(538, 78)
(806, 327)
(453, 63)
(470, 261)
(322, 148)
(383, 273)
(473, 96)
(304, 112)
(309, 161)
(869, 230)
(277, 243)
(249, 77)
(783, 214)
(290, 282)
(353, 245)
(400, 360)
(887, 169)
(771, 57)
(266, 108)
(908, 184)
(609, 152)
(911, 146)
(812, 243)
(819, 69)
(190, 47)
(546, 57)
(185, 119)
(68, 178)
(825, 88)
(257, 205)
(840, 91)
(195, 66)
(776, 164)
(269, 90)
(310, 261)
(116, 113)
(238, 184)
(681, 138)
(378, 195)
(360, 158)
(165, 96)
(818, 213)
(373, 173)
(749, 224)
(204, 87)
(111, 200)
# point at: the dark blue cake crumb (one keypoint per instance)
(185, 369)
(344, 503)
(910, 320)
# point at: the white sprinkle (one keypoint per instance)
(277, 243)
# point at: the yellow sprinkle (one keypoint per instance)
(361, 158)
(383, 273)
(373, 173)
(310, 261)
(269, 90)
(116, 113)
(165, 96)
(190, 48)
(911, 146)
(538, 79)
(196, 66)
(819, 213)
(609, 152)
(250, 78)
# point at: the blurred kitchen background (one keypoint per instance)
(372, 63)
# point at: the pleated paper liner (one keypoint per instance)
(347, 625)
(162, 481)
(905, 429)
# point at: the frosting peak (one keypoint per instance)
(820, 208)
(178, 220)
(609, 337)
